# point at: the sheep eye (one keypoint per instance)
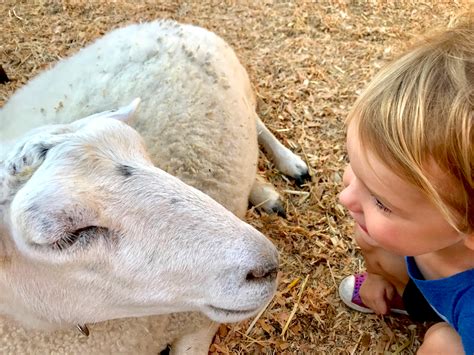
(80, 236)
(43, 150)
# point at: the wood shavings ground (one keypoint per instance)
(308, 61)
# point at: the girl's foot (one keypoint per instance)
(349, 293)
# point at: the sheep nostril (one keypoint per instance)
(261, 273)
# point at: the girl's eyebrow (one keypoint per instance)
(387, 204)
(374, 194)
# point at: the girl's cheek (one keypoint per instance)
(384, 234)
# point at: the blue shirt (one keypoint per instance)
(452, 298)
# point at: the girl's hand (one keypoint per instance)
(376, 293)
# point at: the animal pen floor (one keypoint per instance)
(308, 61)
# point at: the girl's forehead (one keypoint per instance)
(384, 162)
(378, 176)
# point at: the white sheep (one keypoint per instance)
(92, 231)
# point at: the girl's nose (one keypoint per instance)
(349, 197)
(348, 176)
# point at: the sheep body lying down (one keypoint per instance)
(158, 246)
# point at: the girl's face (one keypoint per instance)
(389, 212)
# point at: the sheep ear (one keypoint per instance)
(125, 113)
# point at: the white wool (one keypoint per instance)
(197, 120)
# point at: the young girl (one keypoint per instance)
(410, 189)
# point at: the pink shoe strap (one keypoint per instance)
(395, 305)
(359, 280)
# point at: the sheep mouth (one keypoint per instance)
(232, 311)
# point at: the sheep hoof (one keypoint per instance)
(302, 178)
(274, 207)
(279, 209)
(166, 351)
(264, 196)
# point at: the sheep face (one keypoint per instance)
(96, 232)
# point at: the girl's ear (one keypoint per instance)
(469, 241)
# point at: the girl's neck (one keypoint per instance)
(446, 262)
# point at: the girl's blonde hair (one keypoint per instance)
(419, 110)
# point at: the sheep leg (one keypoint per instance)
(197, 342)
(285, 160)
(263, 195)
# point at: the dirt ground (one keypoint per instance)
(308, 61)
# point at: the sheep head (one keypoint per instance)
(93, 231)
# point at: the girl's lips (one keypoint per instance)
(360, 225)
(363, 228)
(364, 235)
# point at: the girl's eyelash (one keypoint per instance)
(381, 206)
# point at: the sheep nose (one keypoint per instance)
(263, 273)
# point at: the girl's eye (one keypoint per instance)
(381, 206)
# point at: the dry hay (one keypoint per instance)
(308, 61)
